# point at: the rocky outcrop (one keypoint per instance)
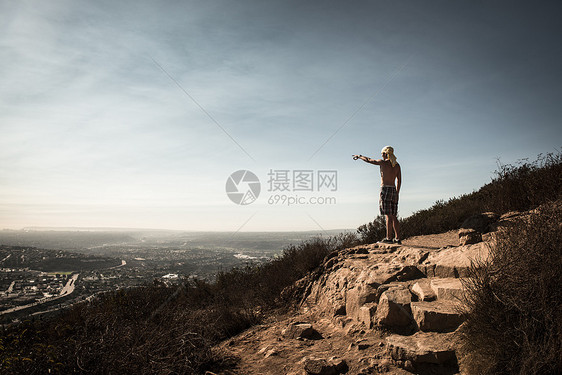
(354, 281)
(416, 293)
(377, 308)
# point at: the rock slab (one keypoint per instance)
(422, 347)
(423, 290)
(449, 288)
(394, 307)
(438, 316)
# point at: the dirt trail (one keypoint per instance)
(263, 350)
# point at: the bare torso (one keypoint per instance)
(389, 174)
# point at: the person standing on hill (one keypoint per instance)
(391, 181)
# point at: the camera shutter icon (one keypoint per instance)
(243, 187)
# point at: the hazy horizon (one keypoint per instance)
(123, 229)
(138, 114)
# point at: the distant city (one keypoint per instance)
(43, 270)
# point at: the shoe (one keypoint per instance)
(397, 241)
(386, 240)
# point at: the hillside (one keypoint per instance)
(355, 302)
(380, 308)
(344, 303)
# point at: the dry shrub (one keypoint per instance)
(261, 285)
(443, 215)
(519, 187)
(143, 330)
(525, 185)
(514, 323)
(373, 231)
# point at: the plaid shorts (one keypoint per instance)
(388, 202)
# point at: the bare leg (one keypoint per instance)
(396, 225)
(389, 224)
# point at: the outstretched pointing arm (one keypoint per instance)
(366, 159)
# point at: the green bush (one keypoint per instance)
(513, 325)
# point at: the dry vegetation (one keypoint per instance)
(514, 323)
(160, 329)
(514, 188)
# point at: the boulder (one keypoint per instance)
(469, 236)
(301, 331)
(480, 222)
(340, 364)
(438, 316)
(423, 347)
(423, 290)
(393, 308)
(383, 288)
(314, 366)
(321, 366)
(357, 297)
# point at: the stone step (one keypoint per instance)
(437, 316)
(393, 308)
(423, 290)
(450, 289)
(423, 348)
(454, 261)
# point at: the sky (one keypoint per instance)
(134, 114)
